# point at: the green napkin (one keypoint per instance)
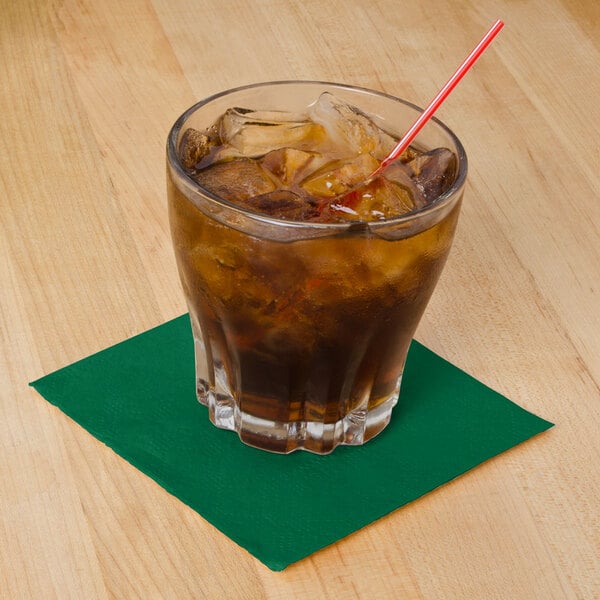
(138, 398)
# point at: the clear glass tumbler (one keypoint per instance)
(302, 329)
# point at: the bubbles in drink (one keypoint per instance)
(313, 166)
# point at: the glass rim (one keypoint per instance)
(439, 203)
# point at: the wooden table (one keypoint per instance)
(88, 91)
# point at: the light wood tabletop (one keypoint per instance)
(88, 92)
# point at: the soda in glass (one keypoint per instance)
(306, 278)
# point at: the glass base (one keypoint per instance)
(356, 428)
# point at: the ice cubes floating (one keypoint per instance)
(313, 166)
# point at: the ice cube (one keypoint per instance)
(337, 177)
(284, 204)
(376, 200)
(402, 175)
(236, 180)
(254, 133)
(288, 164)
(349, 128)
(194, 146)
(433, 172)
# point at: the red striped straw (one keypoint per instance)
(410, 135)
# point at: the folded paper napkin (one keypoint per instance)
(138, 398)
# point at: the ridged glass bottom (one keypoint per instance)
(356, 428)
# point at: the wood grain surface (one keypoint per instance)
(88, 92)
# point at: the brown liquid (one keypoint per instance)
(305, 330)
